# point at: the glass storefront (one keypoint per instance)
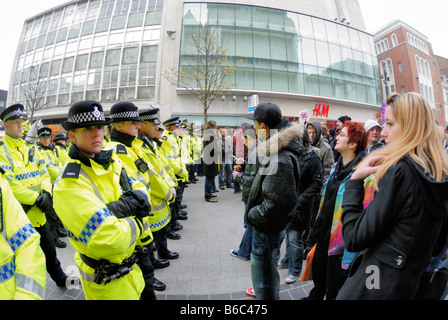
(97, 50)
(287, 52)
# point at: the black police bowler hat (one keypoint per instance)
(174, 121)
(85, 114)
(150, 115)
(267, 113)
(13, 112)
(44, 132)
(59, 136)
(124, 111)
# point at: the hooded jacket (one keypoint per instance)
(398, 232)
(275, 190)
(325, 153)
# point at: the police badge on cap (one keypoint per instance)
(85, 114)
(14, 112)
(44, 132)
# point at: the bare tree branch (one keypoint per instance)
(209, 73)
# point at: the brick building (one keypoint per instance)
(407, 64)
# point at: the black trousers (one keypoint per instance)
(54, 223)
(175, 206)
(147, 268)
(160, 241)
(53, 264)
(319, 270)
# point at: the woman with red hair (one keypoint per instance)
(331, 261)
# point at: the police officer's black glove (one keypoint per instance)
(140, 201)
(121, 208)
(44, 201)
(131, 203)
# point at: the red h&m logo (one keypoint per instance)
(321, 110)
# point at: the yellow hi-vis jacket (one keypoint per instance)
(23, 272)
(161, 184)
(80, 197)
(53, 164)
(170, 145)
(185, 149)
(62, 154)
(169, 176)
(196, 148)
(27, 174)
(128, 156)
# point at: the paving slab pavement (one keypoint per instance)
(205, 269)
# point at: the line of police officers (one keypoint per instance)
(119, 201)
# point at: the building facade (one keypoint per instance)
(311, 56)
(407, 64)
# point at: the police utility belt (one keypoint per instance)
(106, 271)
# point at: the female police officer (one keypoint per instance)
(103, 221)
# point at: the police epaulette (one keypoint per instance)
(72, 170)
(121, 149)
(165, 138)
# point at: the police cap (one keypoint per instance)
(44, 132)
(124, 111)
(13, 112)
(85, 114)
(150, 115)
(59, 137)
(174, 121)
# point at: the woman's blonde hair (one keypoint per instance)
(420, 138)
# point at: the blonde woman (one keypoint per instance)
(397, 233)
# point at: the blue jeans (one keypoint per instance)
(225, 175)
(438, 262)
(209, 186)
(294, 252)
(245, 248)
(264, 259)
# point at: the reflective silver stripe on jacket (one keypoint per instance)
(95, 189)
(29, 284)
(142, 181)
(133, 226)
(168, 196)
(158, 208)
(36, 188)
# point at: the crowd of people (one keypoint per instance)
(347, 202)
(365, 208)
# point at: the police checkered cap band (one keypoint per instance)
(149, 117)
(86, 117)
(16, 113)
(45, 132)
(124, 115)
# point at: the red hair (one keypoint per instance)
(357, 134)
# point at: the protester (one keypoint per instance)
(225, 169)
(330, 262)
(273, 195)
(245, 180)
(239, 151)
(398, 232)
(445, 141)
(373, 130)
(210, 156)
(310, 186)
(339, 124)
(325, 153)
